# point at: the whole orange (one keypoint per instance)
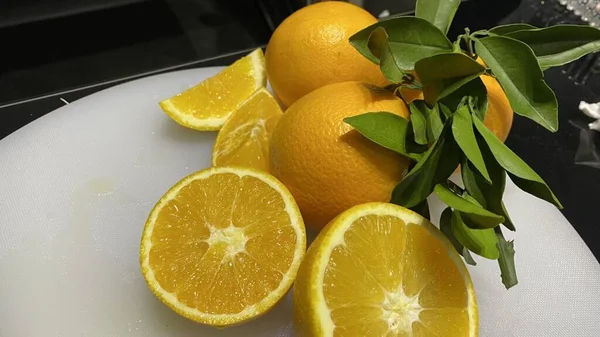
(326, 164)
(311, 48)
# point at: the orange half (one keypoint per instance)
(223, 245)
(381, 270)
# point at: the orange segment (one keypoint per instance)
(207, 105)
(244, 139)
(382, 270)
(223, 245)
(431, 272)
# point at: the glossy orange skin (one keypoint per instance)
(311, 49)
(326, 164)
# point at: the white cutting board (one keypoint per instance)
(76, 187)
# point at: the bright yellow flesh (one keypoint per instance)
(223, 245)
(207, 105)
(382, 270)
(244, 139)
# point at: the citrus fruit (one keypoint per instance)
(207, 105)
(326, 164)
(223, 245)
(499, 116)
(311, 48)
(244, 139)
(381, 270)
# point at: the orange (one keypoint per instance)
(326, 164)
(310, 49)
(244, 138)
(499, 116)
(207, 105)
(223, 245)
(382, 270)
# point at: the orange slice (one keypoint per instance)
(244, 139)
(382, 270)
(207, 105)
(223, 245)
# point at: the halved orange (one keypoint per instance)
(207, 105)
(382, 270)
(244, 139)
(223, 245)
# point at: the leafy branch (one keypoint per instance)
(447, 128)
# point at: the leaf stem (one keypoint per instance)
(456, 45)
(482, 32)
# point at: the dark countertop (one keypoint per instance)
(49, 64)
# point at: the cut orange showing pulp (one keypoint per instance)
(244, 139)
(382, 270)
(207, 105)
(223, 245)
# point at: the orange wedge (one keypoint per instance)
(244, 139)
(223, 245)
(382, 270)
(207, 105)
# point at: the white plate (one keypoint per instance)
(76, 187)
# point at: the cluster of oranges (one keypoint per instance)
(226, 243)
(321, 78)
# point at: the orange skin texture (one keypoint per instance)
(326, 164)
(310, 49)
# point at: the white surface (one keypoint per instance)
(77, 185)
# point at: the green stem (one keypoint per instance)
(467, 37)
(483, 32)
(507, 260)
(456, 45)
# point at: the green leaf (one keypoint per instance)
(462, 129)
(422, 209)
(434, 123)
(439, 12)
(477, 215)
(379, 46)
(507, 220)
(446, 228)
(435, 167)
(443, 74)
(377, 41)
(475, 89)
(489, 196)
(445, 110)
(386, 129)
(513, 27)
(506, 261)
(465, 195)
(518, 71)
(419, 123)
(558, 45)
(410, 40)
(466, 253)
(482, 242)
(521, 174)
